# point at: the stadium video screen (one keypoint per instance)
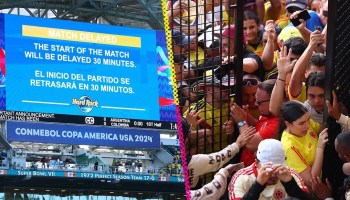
(73, 72)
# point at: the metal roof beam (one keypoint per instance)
(156, 21)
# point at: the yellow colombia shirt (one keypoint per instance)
(301, 97)
(212, 121)
(258, 50)
(301, 151)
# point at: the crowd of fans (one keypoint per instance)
(283, 100)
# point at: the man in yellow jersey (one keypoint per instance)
(214, 110)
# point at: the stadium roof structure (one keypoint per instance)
(131, 13)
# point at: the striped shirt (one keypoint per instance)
(244, 179)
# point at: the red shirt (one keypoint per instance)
(267, 127)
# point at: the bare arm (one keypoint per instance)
(284, 67)
(316, 168)
(252, 144)
(250, 65)
(260, 10)
(275, 9)
(268, 52)
(296, 81)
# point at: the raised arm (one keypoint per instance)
(299, 70)
(284, 67)
(217, 187)
(268, 52)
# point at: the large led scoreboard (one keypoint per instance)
(81, 73)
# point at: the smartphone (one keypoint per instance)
(302, 15)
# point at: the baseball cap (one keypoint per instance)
(288, 32)
(297, 3)
(212, 79)
(230, 32)
(271, 150)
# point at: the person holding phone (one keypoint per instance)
(296, 11)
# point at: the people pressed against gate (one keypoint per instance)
(213, 109)
(250, 86)
(266, 125)
(268, 177)
(252, 63)
(342, 146)
(303, 140)
(200, 164)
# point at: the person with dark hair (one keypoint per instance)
(298, 46)
(267, 125)
(252, 32)
(342, 146)
(302, 139)
(312, 91)
(252, 63)
(314, 86)
(212, 109)
(316, 63)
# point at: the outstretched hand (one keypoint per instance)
(333, 109)
(323, 138)
(321, 190)
(284, 65)
(244, 137)
(238, 113)
(232, 168)
(192, 118)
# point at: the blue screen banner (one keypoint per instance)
(91, 175)
(74, 68)
(82, 135)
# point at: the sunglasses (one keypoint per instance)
(292, 9)
(260, 102)
(325, 13)
(250, 82)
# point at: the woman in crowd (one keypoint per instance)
(302, 140)
(252, 31)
